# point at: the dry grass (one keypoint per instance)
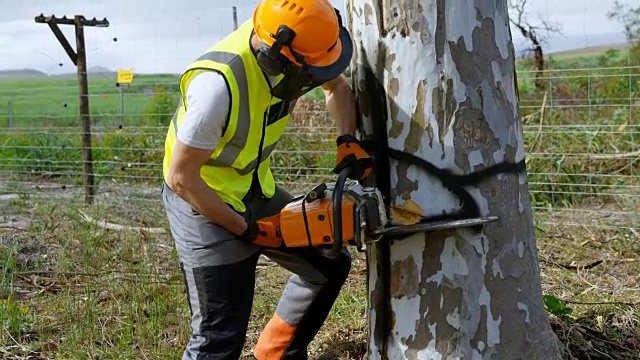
(79, 291)
(594, 271)
(75, 290)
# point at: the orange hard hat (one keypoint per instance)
(319, 35)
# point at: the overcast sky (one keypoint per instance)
(164, 36)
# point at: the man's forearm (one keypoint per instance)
(209, 204)
(341, 102)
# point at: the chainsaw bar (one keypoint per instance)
(433, 226)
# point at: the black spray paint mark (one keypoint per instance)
(456, 183)
(372, 100)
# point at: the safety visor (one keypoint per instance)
(298, 81)
(295, 83)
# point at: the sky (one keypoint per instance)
(153, 36)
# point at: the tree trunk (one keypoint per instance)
(538, 57)
(436, 84)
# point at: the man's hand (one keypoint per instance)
(342, 104)
(351, 154)
(184, 179)
(263, 232)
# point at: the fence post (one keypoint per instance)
(85, 120)
(121, 104)
(79, 58)
(11, 111)
(235, 18)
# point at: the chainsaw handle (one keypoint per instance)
(338, 190)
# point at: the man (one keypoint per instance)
(219, 193)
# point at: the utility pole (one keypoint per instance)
(10, 111)
(121, 107)
(79, 58)
(437, 91)
(235, 18)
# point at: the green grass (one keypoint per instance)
(82, 292)
(71, 289)
(618, 53)
(127, 153)
(54, 101)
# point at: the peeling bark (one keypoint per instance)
(436, 85)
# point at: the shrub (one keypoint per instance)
(161, 106)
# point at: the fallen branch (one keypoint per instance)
(44, 273)
(3, 226)
(147, 278)
(117, 227)
(601, 303)
(8, 197)
(603, 289)
(614, 156)
(618, 261)
(573, 267)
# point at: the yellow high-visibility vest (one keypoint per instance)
(254, 126)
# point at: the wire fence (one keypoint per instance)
(581, 132)
(74, 283)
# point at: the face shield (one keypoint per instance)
(295, 83)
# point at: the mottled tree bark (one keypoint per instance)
(436, 84)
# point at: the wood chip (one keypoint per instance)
(407, 214)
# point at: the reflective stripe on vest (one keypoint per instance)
(230, 170)
(229, 154)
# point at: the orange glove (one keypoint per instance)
(351, 154)
(263, 232)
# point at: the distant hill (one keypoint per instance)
(21, 73)
(94, 72)
(102, 72)
(591, 50)
(600, 42)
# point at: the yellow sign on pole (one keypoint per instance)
(125, 76)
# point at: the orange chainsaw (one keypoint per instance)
(330, 215)
(333, 214)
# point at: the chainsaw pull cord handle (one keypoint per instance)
(338, 190)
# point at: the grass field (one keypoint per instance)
(36, 101)
(75, 290)
(590, 53)
(78, 291)
(54, 101)
(72, 289)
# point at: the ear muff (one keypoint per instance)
(270, 59)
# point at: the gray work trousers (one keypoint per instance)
(219, 273)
